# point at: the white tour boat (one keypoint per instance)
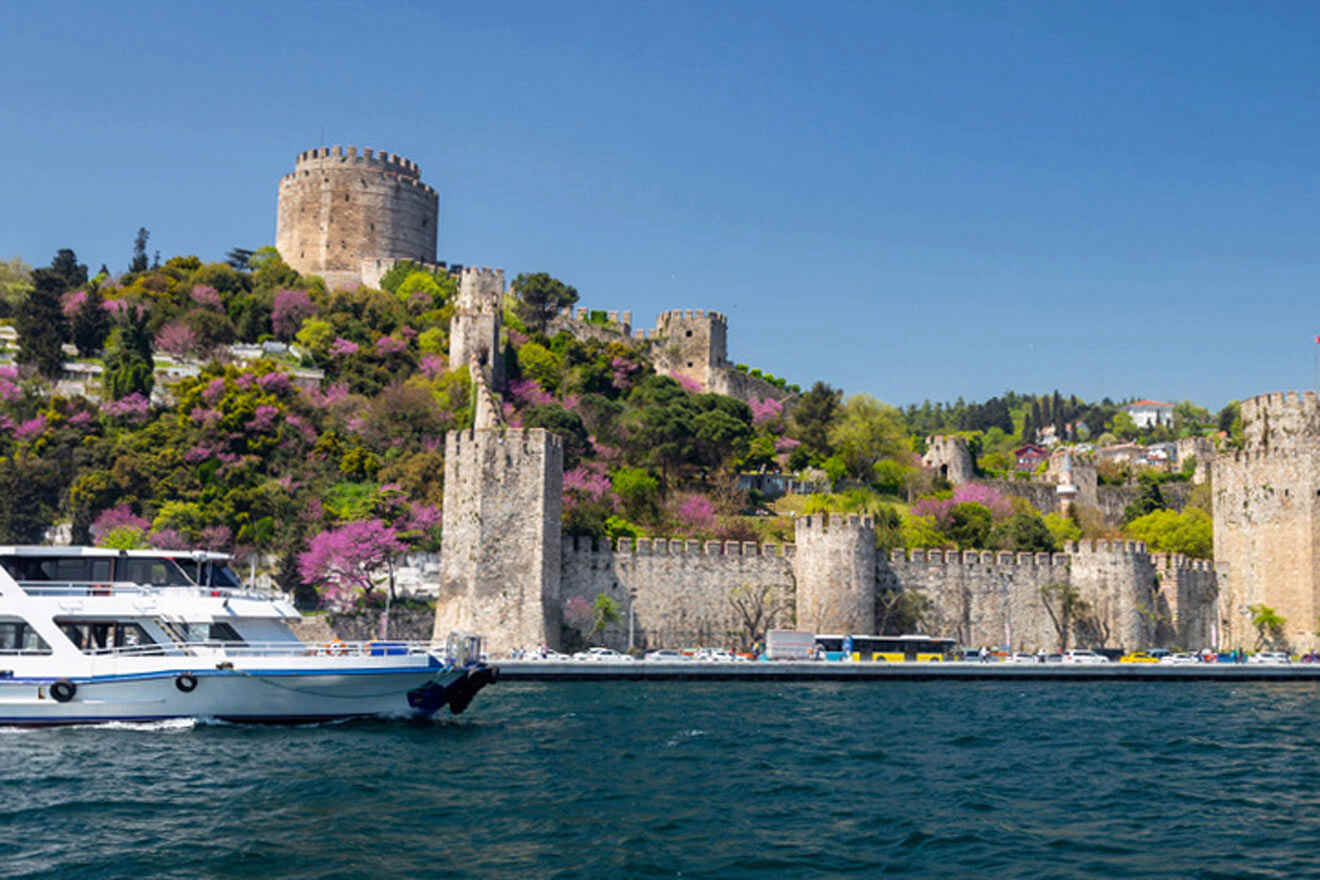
(92, 635)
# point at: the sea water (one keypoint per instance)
(695, 780)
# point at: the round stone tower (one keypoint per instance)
(948, 454)
(341, 206)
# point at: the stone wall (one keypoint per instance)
(339, 207)
(1111, 501)
(474, 331)
(678, 592)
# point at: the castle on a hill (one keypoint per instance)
(506, 570)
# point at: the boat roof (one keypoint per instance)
(66, 552)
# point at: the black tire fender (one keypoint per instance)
(186, 682)
(63, 690)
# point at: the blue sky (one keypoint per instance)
(913, 200)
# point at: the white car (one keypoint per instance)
(1023, 657)
(602, 655)
(667, 655)
(1180, 659)
(1269, 657)
(1082, 655)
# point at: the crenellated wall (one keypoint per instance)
(474, 331)
(342, 206)
(680, 592)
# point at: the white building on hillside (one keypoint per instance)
(1149, 413)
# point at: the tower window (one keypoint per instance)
(689, 333)
(689, 364)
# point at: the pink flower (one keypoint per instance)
(591, 484)
(766, 409)
(388, 345)
(290, 309)
(342, 347)
(204, 416)
(72, 301)
(786, 444)
(9, 390)
(176, 339)
(214, 390)
(199, 453)
(623, 370)
(133, 409)
(81, 419)
(432, 365)
(690, 385)
(528, 392)
(696, 512)
(207, 297)
(30, 429)
(264, 418)
(275, 383)
(121, 517)
(245, 380)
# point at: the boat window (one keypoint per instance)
(223, 632)
(190, 569)
(68, 569)
(156, 572)
(90, 636)
(18, 637)
(223, 576)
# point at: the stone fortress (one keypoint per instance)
(506, 570)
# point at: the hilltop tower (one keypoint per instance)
(1267, 519)
(340, 207)
(474, 331)
(835, 572)
(948, 454)
(692, 344)
(500, 565)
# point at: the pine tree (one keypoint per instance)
(128, 357)
(41, 325)
(91, 324)
(139, 261)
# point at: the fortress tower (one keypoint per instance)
(835, 572)
(692, 344)
(500, 566)
(1267, 519)
(948, 454)
(340, 207)
(474, 332)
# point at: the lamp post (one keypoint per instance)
(632, 597)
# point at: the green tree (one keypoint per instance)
(866, 432)
(540, 298)
(40, 322)
(128, 356)
(1269, 626)
(605, 611)
(1190, 532)
(91, 323)
(638, 490)
(1124, 426)
(568, 425)
(813, 415)
(1149, 501)
(15, 282)
(1024, 532)
(970, 525)
(139, 261)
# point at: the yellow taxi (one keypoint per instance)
(1138, 657)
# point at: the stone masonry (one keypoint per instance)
(1267, 519)
(340, 207)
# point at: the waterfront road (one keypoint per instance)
(643, 670)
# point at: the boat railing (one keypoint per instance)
(286, 648)
(128, 588)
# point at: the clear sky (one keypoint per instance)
(909, 199)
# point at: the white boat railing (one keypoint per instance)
(127, 588)
(332, 648)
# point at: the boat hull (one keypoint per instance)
(238, 695)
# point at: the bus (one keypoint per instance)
(893, 649)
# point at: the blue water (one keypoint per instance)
(692, 780)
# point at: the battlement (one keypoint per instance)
(323, 157)
(1176, 561)
(833, 523)
(691, 315)
(996, 558)
(529, 441)
(1110, 548)
(480, 289)
(578, 544)
(1283, 399)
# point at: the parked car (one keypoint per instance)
(602, 655)
(1269, 657)
(1139, 657)
(1082, 655)
(667, 655)
(1023, 657)
(1182, 658)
